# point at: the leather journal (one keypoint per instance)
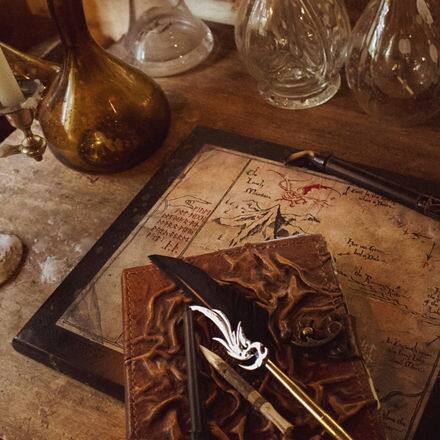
(294, 279)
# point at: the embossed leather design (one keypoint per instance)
(295, 281)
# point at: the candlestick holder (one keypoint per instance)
(21, 116)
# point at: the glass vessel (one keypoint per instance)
(99, 115)
(294, 48)
(164, 38)
(393, 66)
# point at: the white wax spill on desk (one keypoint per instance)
(52, 269)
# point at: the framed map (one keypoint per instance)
(221, 190)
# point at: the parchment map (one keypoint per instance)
(388, 259)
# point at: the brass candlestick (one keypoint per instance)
(21, 116)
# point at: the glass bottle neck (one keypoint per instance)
(71, 22)
(395, 6)
(403, 12)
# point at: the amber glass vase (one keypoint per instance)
(100, 115)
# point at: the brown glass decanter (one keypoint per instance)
(100, 115)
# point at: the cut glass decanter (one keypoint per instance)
(294, 48)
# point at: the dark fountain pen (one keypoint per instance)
(423, 203)
(199, 429)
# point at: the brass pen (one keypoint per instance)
(327, 421)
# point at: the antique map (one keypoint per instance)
(387, 256)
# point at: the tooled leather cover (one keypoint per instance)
(294, 280)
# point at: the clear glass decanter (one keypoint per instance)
(164, 38)
(294, 48)
(393, 66)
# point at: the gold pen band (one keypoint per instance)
(330, 424)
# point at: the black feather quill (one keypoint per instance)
(230, 299)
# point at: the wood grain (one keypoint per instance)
(48, 203)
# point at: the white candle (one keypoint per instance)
(10, 92)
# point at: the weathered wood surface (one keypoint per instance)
(59, 213)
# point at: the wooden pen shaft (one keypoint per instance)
(256, 399)
(276, 418)
(249, 393)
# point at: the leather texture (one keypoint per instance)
(294, 279)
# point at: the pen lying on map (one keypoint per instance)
(427, 205)
(248, 392)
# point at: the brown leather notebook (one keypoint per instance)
(294, 279)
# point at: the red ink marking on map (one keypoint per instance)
(306, 189)
(299, 195)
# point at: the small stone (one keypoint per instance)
(11, 253)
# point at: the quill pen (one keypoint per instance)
(229, 309)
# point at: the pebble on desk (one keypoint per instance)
(11, 253)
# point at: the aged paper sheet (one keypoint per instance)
(387, 257)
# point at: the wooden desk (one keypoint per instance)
(59, 214)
